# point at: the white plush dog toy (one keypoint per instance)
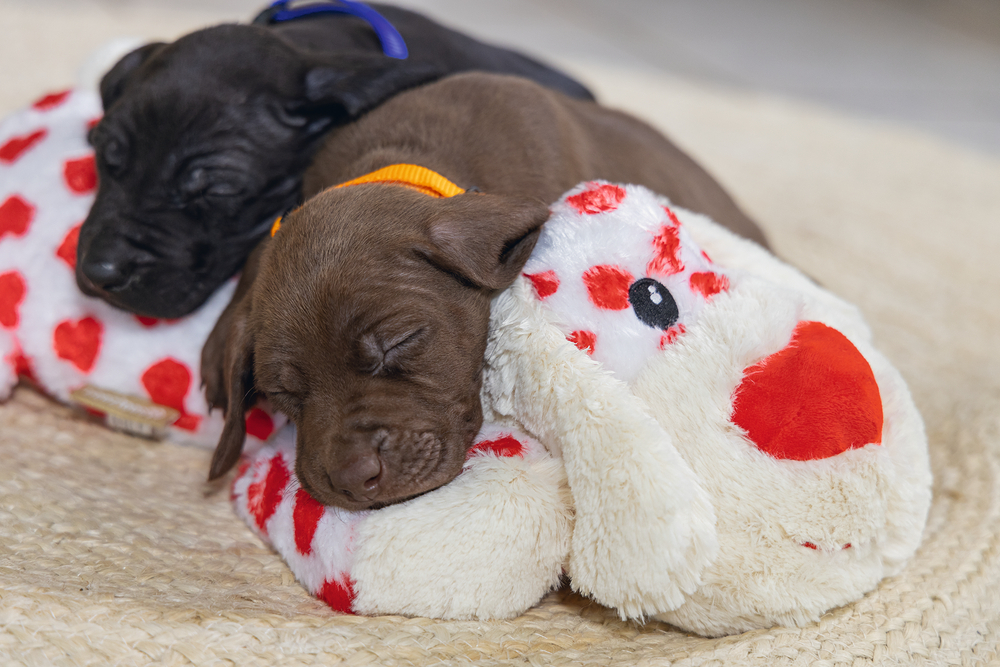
(714, 440)
(737, 454)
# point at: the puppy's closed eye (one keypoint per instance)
(285, 389)
(387, 355)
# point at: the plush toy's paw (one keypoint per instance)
(487, 545)
(644, 527)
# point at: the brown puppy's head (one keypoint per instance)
(367, 326)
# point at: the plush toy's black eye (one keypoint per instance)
(653, 304)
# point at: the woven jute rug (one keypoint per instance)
(113, 551)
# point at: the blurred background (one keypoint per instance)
(933, 65)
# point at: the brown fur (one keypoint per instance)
(365, 318)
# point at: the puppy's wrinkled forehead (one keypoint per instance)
(350, 254)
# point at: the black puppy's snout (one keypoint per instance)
(359, 478)
(107, 273)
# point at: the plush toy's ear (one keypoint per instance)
(114, 82)
(485, 239)
(239, 382)
(362, 83)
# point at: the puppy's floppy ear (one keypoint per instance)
(485, 239)
(214, 372)
(239, 383)
(114, 82)
(355, 85)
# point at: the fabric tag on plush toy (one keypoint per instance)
(123, 412)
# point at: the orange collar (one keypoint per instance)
(410, 176)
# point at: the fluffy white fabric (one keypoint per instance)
(487, 545)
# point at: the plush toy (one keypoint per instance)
(737, 455)
(689, 428)
(142, 373)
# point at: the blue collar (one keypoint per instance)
(392, 42)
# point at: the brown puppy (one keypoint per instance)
(365, 318)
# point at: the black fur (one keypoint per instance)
(204, 141)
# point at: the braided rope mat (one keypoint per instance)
(114, 551)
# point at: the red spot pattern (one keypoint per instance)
(15, 216)
(51, 100)
(80, 174)
(505, 445)
(584, 340)
(812, 400)
(78, 342)
(17, 146)
(810, 545)
(607, 286)
(264, 495)
(305, 518)
(147, 322)
(67, 249)
(672, 216)
(167, 382)
(259, 424)
(597, 199)
(667, 245)
(340, 596)
(709, 284)
(546, 283)
(22, 366)
(12, 289)
(92, 123)
(671, 335)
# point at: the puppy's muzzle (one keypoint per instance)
(373, 468)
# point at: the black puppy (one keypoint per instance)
(204, 141)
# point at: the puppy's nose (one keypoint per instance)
(105, 273)
(359, 478)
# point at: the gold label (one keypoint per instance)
(123, 412)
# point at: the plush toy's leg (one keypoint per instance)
(487, 545)
(645, 529)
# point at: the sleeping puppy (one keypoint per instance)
(364, 318)
(204, 141)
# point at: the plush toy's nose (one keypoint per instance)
(359, 476)
(814, 399)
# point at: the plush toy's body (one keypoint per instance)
(714, 440)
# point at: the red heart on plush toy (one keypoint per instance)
(11, 294)
(812, 400)
(80, 175)
(17, 146)
(15, 216)
(67, 249)
(264, 495)
(78, 342)
(167, 382)
(51, 101)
